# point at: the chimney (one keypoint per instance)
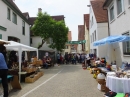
(39, 10)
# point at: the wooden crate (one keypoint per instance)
(29, 79)
(36, 77)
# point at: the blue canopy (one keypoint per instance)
(111, 39)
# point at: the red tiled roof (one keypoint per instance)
(100, 13)
(81, 32)
(69, 36)
(86, 20)
(57, 18)
(32, 19)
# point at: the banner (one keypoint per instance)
(77, 42)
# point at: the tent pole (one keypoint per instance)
(37, 54)
(20, 53)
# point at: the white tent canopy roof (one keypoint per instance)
(15, 46)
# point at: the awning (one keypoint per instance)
(112, 39)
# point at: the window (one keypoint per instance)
(12, 38)
(119, 6)
(30, 40)
(66, 47)
(0, 36)
(14, 19)
(126, 45)
(95, 35)
(8, 13)
(112, 13)
(92, 22)
(23, 27)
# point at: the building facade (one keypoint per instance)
(81, 36)
(98, 27)
(68, 46)
(86, 27)
(36, 40)
(119, 24)
(13, 24)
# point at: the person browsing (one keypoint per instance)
(3, 73)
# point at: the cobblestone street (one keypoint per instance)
(61, 81)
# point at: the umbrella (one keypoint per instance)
(4, 42)
(112, 39)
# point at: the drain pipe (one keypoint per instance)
(108, 22)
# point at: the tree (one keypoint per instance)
(46, 27)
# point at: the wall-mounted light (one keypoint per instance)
(88, 5)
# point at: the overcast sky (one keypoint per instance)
(73, 10)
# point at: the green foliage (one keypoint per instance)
(46, 27)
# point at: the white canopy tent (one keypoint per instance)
(20, 47)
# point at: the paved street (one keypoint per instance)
(61, 81)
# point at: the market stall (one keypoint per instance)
(20, 47)
(119, 81)
(118, 85)
(112, 45)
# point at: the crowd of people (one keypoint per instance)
(73, 58)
